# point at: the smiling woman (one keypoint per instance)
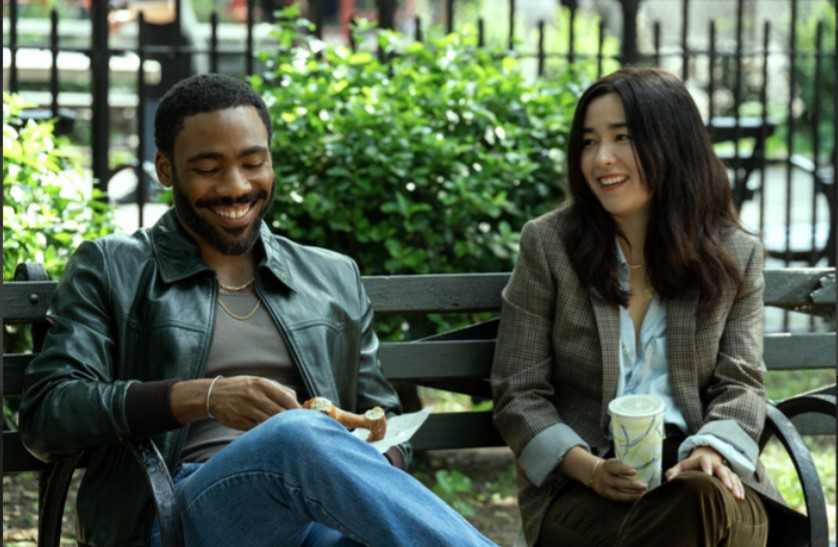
(609, 164)
(645, 283)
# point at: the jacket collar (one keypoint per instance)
(178, 256)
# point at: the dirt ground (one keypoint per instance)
(491, 496)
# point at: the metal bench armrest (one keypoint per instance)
(160, 483)
(779, 425)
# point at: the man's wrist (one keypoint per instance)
(148, 408)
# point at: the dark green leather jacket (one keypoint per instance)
(142, 307)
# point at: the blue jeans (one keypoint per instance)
(299, 479)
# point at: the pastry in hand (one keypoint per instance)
(373, 419)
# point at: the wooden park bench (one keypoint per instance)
(458, 361)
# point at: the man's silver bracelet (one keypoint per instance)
(209, 393)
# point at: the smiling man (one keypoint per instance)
(205, 332)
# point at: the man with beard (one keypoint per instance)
(205, 332)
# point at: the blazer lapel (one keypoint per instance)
(608, 325)
(681, 357)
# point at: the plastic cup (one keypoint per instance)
(637, 427)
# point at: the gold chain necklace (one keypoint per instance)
(236, 288)
(239, 317)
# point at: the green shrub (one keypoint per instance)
(49, 203)
(428, 162)
(805, 80)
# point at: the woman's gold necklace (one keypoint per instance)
(240, 317)
(649, 291)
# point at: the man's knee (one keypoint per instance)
(303, 430)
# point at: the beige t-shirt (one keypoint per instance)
(252, 346)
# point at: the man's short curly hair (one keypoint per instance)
(196, 95)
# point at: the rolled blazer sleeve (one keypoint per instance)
(735, 396)
(522, 371)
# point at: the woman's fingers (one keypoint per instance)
(709, 461)
(616, 481)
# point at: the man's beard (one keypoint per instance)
(228, 241)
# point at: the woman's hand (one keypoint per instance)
(614, 480)
(608, 478)
(708, 460)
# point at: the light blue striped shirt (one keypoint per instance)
(643, 365)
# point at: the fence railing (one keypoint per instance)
(760, 72)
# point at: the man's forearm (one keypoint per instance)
(154, 407)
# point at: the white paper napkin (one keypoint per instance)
(399, 429)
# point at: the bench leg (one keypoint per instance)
(54, 485)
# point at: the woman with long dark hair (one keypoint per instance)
(644, 283)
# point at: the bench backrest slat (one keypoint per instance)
(418, 362)
(13, 366)
(797, 351)
(16, 458)
(452, 293)
(454, 430)
(435, 293)
(809, 290)
(26, 301)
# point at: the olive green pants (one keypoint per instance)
(693, 509)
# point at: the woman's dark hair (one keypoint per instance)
(691, 203)
(196, 95)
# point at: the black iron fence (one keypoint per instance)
(762, 71)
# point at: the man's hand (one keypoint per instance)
(616, 481)
(708, 460)
(239, 402)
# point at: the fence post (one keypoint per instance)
(386, 14)
(315, 15)
(99, 77)
(629, 45)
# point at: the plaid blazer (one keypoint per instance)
(556, 359)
